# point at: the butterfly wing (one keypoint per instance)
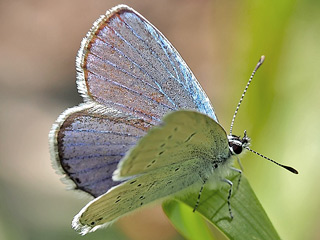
(200, 147)
(181, 135)
(87, 143)
(124, 66)
(127, 64)
(133, 194)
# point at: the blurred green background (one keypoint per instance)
(221, 41)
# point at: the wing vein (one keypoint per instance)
(126, 87)
(82, 157)
(159, 89)
(148, 46)
(102, 131)
(79, 144)
(136, 50)
(86, 170)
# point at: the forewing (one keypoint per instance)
(87, 143)
(127, 64)
(135, 193)
(182, 134)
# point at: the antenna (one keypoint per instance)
(245, 139)
(291, 169)
(245, 90)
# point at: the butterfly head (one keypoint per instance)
(237, 145)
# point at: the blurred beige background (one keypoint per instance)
(221, 41)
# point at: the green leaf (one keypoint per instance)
(190, 225)
(250, 220)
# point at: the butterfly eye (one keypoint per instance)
(235, 144)
(237, 149)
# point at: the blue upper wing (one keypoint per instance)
(127, 64)
(128, 74)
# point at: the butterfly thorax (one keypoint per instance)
(237, 145)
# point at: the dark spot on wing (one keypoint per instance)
(66, 167)
(151, 185)
(133, 182)
(161, 152)
(175, 129)
(150, 164)
(170, 136)
(189, 138)
(162, 145)
(176, 169)
(139, 185)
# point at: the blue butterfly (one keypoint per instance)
(137, 89)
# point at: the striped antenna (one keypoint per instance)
(291, 169)
(245, 90)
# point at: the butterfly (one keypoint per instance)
(146, 129)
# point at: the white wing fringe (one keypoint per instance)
(84, 229)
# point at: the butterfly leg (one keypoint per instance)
(240, 175)
(239, 162)
(199, 195)
(229, 195)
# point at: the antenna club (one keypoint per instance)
(261, 60)
(291, 169)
